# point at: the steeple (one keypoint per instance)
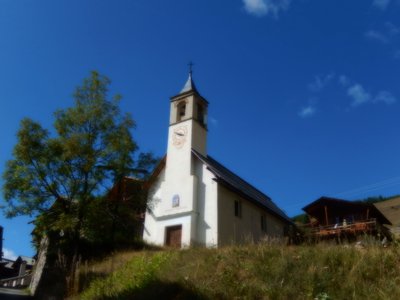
(189, 104)
(189, 85)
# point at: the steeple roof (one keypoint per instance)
(189, 85)
(188, 89)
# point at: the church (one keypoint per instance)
(193, 199)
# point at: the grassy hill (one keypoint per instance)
(247, 272)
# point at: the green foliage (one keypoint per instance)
(258, 272)
(120, 223)
(62, 177)
(133, 276)
(301, 219)
(376, 199)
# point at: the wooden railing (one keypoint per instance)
(347, 228)
(16, 282)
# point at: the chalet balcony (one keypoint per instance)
(335, 218)
(369, 226)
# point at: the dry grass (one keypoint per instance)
(252, 272)
(111, 263)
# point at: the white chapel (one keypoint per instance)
(193, 199)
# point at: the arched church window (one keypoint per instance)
(181, 110)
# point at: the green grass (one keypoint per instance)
(253, 272)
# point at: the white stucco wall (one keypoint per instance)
(198, 219)
(247, 228)
(206, 206)
(161, 214)
(151, 233)
(210, 221)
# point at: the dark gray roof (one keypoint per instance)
(29, 260)
(189, 85)
(239, 185)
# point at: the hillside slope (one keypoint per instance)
(250, 272)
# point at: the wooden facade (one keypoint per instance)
(332, 218)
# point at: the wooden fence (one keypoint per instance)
(16, 282)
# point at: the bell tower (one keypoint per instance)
(188, 121)
(187, 130)
(178, 195)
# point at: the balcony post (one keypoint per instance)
(326, 215)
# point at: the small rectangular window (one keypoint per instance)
(263, 223)
(238, 209)
(200, 114)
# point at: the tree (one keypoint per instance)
(60, 177)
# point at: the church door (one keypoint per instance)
(174, 236)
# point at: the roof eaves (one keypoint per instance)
(156, 172)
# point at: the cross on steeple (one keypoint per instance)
(190, 64)
(189, 85)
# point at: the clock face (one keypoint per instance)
(179, 136)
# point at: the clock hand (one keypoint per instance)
(178, 133)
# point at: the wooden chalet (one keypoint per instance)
(16, 273)
(336, 218)
(127, 197)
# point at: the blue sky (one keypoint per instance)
(304, 95)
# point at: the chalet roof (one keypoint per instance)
(334, 202)
(29, 260)
(7, 263)
(237, 184)
(124, 188)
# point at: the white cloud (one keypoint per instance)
(381, 4)
(307, 111)
(386, 35)
(359, 94)
(377, 36)
(344, 80)
(266, 7)
(392, 29)
(355, 91)
(255, 7)
(386, 97)
(320, 82)
(9, 254)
